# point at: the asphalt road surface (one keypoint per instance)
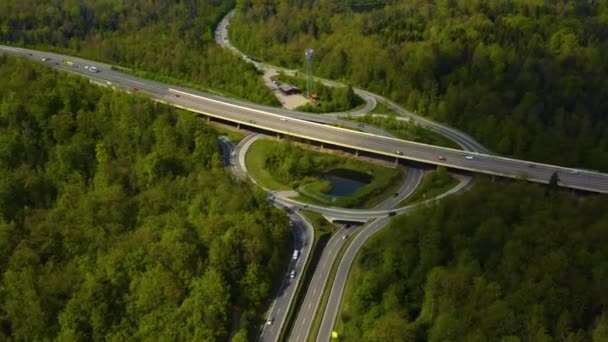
(211, 105)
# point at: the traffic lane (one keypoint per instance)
(159, 89)
(283, 300)
(413, 178)
(427, 153)
(588, 182)
(312, 298)
(333, 303)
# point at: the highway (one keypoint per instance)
(361, 141)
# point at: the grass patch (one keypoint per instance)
(433, 184)
(269, 101)
(323, 231)
(284, 166)
(382, 108)
(256, 166)
(404, 129)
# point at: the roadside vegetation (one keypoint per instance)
(118, 222)
(331, 99)
(283, 165)
(405, 129)
(481, 266)
(525, 78)
(433, 184)
(163, 40)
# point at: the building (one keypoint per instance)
(288, 89)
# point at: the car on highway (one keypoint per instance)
(441, 157)
(468, 157)
(283, 119)
(44, 59)
(296, 254)
(574, 172)
(292, 274)
(399, 152)
(392, 213)
(269, 321)
(344, 237)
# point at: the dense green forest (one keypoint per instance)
(482, 266)
(526, 78)
(163, 38)
(117, 221)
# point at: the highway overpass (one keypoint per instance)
(253, 115)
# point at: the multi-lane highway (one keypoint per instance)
(361, 141)
(240, 113)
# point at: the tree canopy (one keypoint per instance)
(526, 78)
(162, 38)
(482, 266)
(117, 220)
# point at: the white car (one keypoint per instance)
(296, 254)
(468, 157)
(269, 321)
(292, 274)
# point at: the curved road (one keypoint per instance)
(462, 139)
(335, 297)
(308, 308)
(303, 233)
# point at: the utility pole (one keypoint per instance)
(309, 53)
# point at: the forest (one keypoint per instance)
(526, 78)
(167, 40)
(482, 266)
(118, 222)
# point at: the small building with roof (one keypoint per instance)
(288, 89)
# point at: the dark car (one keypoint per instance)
(135, 89)
(392, 213)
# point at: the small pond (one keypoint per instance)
(345, 182)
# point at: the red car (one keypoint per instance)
(441, 157)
